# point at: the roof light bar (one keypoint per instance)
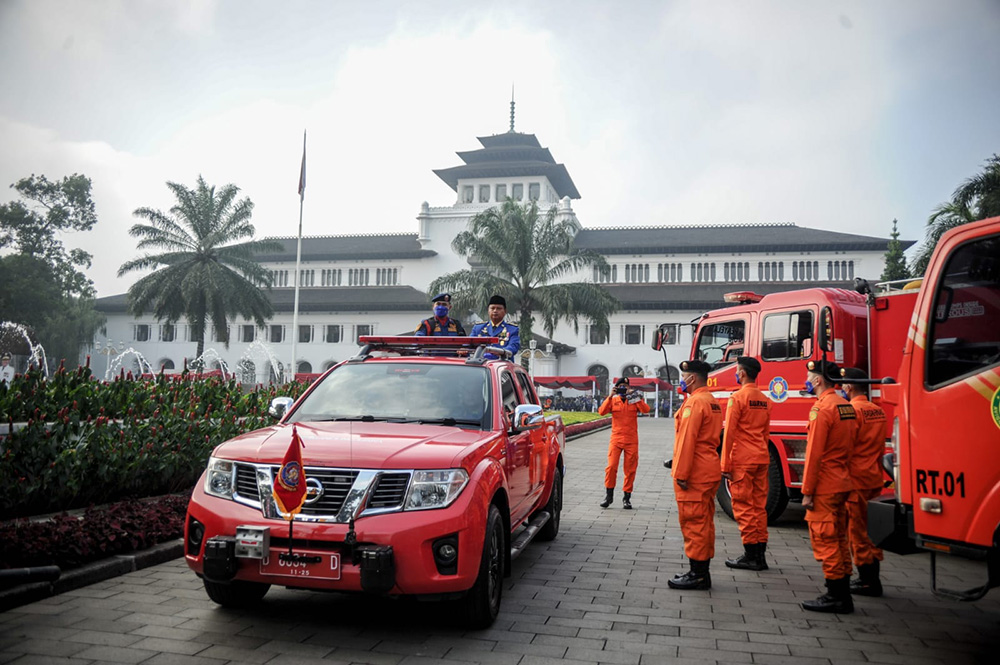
(743, 297)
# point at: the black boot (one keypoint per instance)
(761, 559)
(837, 598)
(627, 501)
(749, 560)
(609, 498)
(868, 583)
(697, 578)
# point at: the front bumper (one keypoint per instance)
(410, 535)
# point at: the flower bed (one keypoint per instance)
(589, 426)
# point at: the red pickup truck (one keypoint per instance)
(429, 465)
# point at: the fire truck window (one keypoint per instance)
(508, 393)
(527, 389)
(719, 344)
(964, 337)
(787, 336)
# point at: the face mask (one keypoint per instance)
(810, 388)
(737, 378)
(683, 386)
(842, 394)
(441, 310)
(621, 390)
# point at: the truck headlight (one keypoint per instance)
(435, 489)
(219, 478)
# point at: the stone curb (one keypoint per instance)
(98, 571)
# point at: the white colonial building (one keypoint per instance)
(353, 285)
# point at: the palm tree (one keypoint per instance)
(519, 254)
(205, 270)
(976, 198)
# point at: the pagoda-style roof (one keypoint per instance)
(323, 299)
(340, 248)
(728, 238)
(510, 155)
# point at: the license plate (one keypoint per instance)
(320, 566)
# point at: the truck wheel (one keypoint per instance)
(482, 604)
(777, 493)
(554, 508)
(237, 593)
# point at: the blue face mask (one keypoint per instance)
(737, 378)
(441, 310)
(810, 388)
(683, 385)
(842, 394)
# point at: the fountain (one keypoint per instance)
(260, 351)
(200, 364)
(36, 353)
(143, 365)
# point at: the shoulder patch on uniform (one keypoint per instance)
(846, 412)
(716, 407)
(730, 403)
(813, 414)
(686, 413)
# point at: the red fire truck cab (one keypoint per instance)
(784, 331)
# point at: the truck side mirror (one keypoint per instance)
(279, 406)
(658, 338)
(528, 417)
(826, 329)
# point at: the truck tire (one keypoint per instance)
(236, 594)
(553, 507)
(481, 604)
(777, 493)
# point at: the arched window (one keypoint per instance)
(713, 271)
(305, 367)
(781, 271)
(247, 371)
(328, 364)
(850, 270)
(767, 272)
(599, 372)
(166, 364)
(631, 371)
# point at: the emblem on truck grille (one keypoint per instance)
(314, 490)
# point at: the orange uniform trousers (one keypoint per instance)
(748, 489)
(696, 513)
(862, 547)
(828, 534)
(615, 452)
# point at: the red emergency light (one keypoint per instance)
(743, 297)
(420, 340)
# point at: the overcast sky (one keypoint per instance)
(829, 114)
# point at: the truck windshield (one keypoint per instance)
(721, 343)
(400, 392)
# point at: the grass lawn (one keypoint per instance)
(573, 417)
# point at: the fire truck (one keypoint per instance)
(933, 350)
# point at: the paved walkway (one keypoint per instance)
(597, 594)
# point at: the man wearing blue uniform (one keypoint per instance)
(505, 331)
(440, 325)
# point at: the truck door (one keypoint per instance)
(953, 411)
(538, 459)
(518, 450)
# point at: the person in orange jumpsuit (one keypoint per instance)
(745, 460)
(624, 407)
(866, 474)
(826, 485)
(696, 471)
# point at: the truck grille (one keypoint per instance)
(388, 492)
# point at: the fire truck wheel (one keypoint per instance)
(554, 508)
(236, 594)
(481, 605)
(777, 493)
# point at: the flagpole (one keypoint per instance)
(298, 259)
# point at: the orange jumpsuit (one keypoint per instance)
(866, 475)
(624, 439)
(745, 457)
(833, 429)
(697, 426)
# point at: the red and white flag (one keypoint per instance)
(290, 481)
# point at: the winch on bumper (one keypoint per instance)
(430, 552)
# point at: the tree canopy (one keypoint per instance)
(521, 255)
(976, 198)
(205, 269)
(42, 283)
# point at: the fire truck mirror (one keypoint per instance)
(658, 338)
(826, 330)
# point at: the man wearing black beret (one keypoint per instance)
(696, 472)
(440, 325)
(745, 459)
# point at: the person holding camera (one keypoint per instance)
(624, 406)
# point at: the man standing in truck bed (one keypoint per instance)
(744, 463)
(826, 485)
(866, 474)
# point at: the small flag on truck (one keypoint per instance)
(290, 481)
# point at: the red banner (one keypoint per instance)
(290, 481)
